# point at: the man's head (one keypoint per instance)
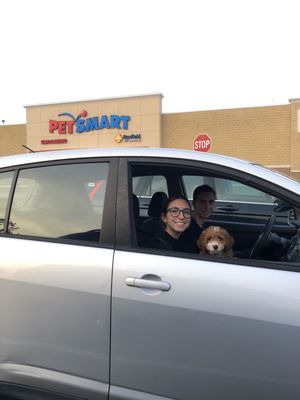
(204, 198)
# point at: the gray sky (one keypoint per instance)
(200, 55)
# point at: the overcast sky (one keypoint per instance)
(201, 55)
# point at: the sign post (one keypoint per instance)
(202, 142)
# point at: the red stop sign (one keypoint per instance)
(202, 142)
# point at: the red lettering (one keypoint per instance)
(53, 141)
(53, 125)
(70, 125)
(62, 127)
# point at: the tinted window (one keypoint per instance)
(5, 184)
(237, 191)
(63, 201)
(227, 190)
(190, 183)
(148, 185)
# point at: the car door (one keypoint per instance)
(190, 328)
(57, 243)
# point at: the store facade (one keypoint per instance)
(266, 135)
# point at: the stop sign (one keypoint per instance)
(202, 142)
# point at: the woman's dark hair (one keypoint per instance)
(203, 189)
(172, 198)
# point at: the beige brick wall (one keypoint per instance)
(295, 138)
(266, 135)
(12, 137)
(259, 134)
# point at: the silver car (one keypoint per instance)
(86, 312)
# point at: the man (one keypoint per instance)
(204, 198)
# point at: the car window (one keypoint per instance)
(5, 184)
(236, 191)
(227, 190)
(190, 183)
(148, 185)
(240, 208)
(61, 201)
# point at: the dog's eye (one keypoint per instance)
(220, 238)
(209, 238)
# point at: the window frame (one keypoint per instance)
(107, 237)
(125, 229)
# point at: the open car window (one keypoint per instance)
(242, 208)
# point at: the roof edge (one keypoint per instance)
(101, 99)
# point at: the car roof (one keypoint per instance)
(218, 159)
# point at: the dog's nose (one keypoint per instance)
(215, 246)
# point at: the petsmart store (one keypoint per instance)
(267, 135)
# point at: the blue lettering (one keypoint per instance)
(80, 126)
(115, 121)
(125, 119)
(104, 122)
(91, 124)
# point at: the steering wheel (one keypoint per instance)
(263, 237)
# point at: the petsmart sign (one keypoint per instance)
(81, 123)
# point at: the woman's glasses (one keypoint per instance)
(175, 212)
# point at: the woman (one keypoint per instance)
(176, 217)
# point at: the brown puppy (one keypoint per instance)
(215, 241)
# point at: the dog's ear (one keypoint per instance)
(228, 252)
(201, 243)
(229, 245)
(198, 243)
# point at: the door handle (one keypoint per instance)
(147, 284)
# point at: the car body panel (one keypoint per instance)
(222, 330)
(55, 313)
